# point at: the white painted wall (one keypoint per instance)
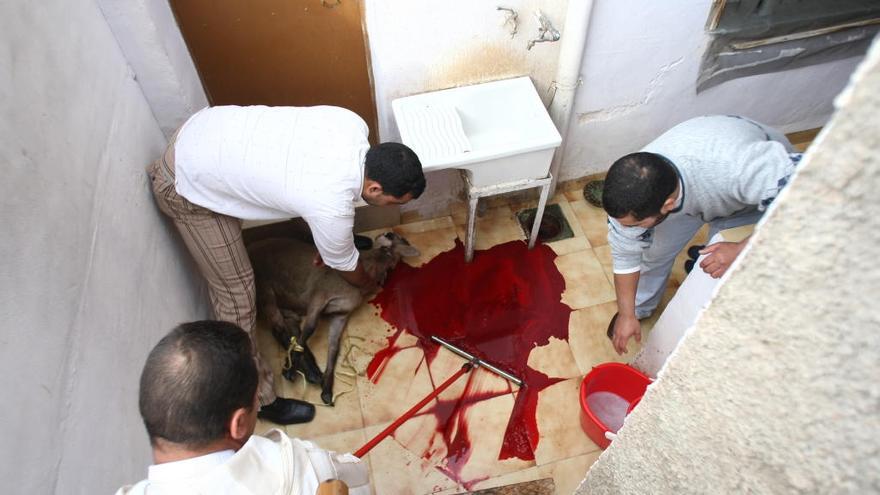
(639, 73)
(91, 275)
(775, 389)
(639, 78)
(429, 45)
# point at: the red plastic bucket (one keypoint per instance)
(617, 378)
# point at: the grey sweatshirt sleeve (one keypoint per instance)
(627, 244)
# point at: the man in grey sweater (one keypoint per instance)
(720, 170)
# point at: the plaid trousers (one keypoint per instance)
(215, 242)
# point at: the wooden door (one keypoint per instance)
(280, 52)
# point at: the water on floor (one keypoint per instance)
(539, 314)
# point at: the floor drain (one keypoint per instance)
(593, 192)
(554, 226)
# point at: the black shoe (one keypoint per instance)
(287, 412)
(610, 332)
(689, 265)
(362, 242)
(694, 251)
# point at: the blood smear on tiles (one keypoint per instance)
(609, 408)
(499, 307)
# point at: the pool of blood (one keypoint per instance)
(499, 307)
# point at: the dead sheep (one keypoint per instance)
(289, 283)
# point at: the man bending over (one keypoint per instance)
(720, 170)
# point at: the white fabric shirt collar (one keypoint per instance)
(679, 202)
(188, 468)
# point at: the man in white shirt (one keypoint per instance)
(228, 163)
(198, 400)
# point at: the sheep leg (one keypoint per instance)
(307, 363)
(337, 325)
(285, 327)
(291, 318)
(277, 323)
(304, 355)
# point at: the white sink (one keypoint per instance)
(509, 135)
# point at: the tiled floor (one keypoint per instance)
(412, 462)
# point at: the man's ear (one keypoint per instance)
(373, 188)
(669, 204)
(239, 427)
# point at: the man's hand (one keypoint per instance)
(624, 328)
(360, 279)
(318, 261)
(332, 487)
(720, 257)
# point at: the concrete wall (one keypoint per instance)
(153, 46)
(775, 388)
(91, 275)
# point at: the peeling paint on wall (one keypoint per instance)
(619, 111)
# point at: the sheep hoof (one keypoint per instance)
(289, 373)
(327, 397)
(305, 364)
(309, 367)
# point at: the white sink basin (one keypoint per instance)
(509, 135)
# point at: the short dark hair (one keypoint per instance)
(638, 184)
(194, 380)
(396, 168)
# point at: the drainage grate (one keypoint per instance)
(554, 226)
(593, 192)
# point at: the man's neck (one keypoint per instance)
(164, 451)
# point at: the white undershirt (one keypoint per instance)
(188, 468)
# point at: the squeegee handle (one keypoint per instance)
(412, 411)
